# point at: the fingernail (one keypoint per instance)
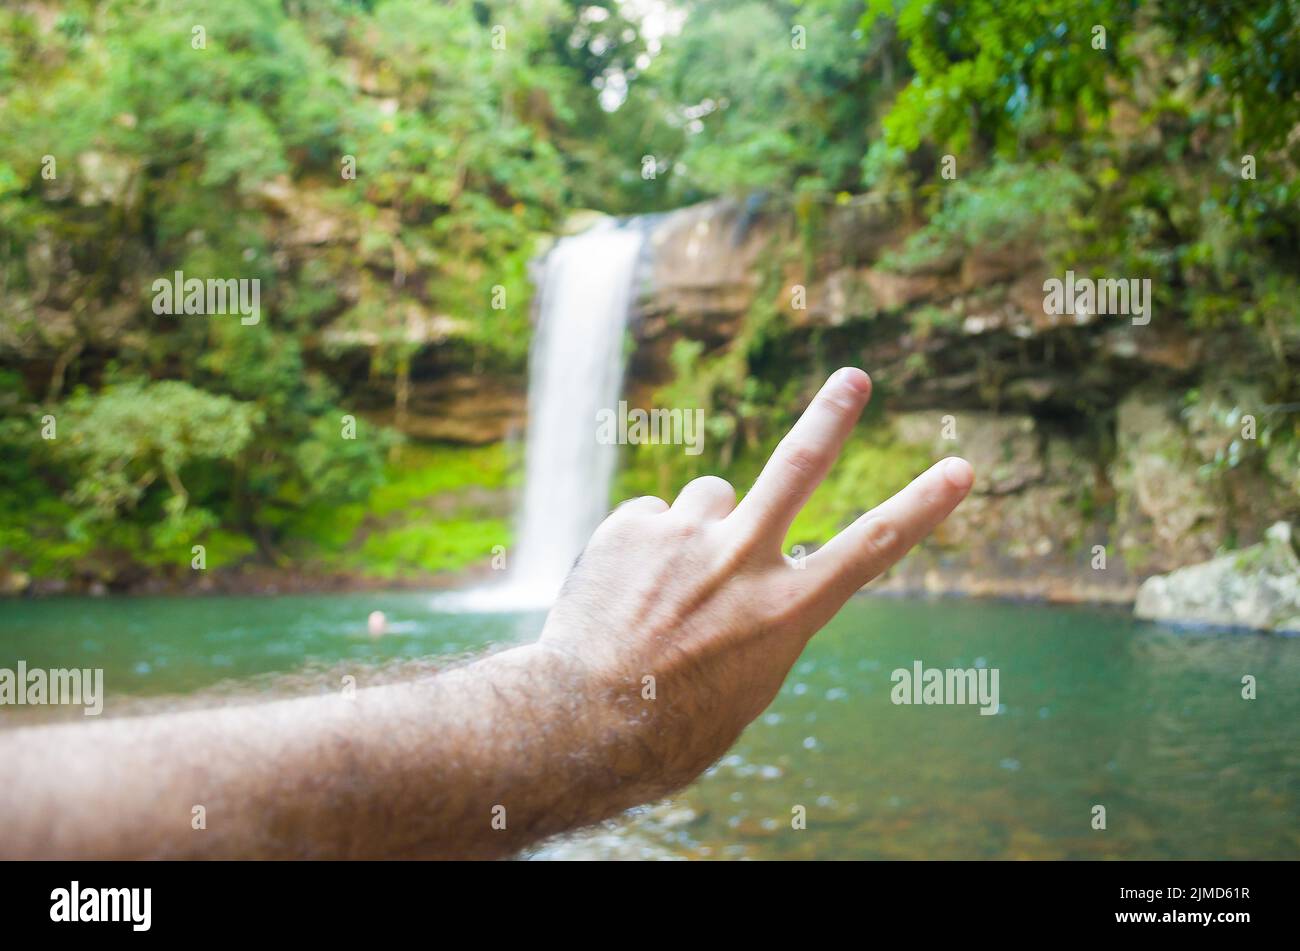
(855, 378)
(958, 472)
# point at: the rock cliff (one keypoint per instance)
(1106, 451)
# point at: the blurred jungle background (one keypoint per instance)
(884, 184)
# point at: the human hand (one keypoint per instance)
(700, 597)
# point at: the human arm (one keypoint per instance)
(557, 734)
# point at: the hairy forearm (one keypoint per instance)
(479, 760)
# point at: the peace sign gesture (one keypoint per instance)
(698, 596)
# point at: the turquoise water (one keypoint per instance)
(1096, 709)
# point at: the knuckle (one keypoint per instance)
(628, 518)
(879, 539)
(804, 459)
(688, 528)
(683, 529)
(709, 488)
(712, 483)
(641, 504)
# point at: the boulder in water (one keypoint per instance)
(1257, 587)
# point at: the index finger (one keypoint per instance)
(885, 534)
(802, 459)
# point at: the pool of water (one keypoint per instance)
(1095, 709)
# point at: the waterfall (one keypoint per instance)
(575, 370)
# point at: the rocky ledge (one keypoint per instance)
(1257, 587)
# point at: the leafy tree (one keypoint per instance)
(128, 438)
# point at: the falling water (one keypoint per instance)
(575, 370)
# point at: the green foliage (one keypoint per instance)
(762, 106)
(984, 69)
(227, 158)
(1159, 160)
(871, 469)
(427, 515)
(1004, 205)
(127, 437)
(1251, 52)
(423, 472)
(448, 545)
